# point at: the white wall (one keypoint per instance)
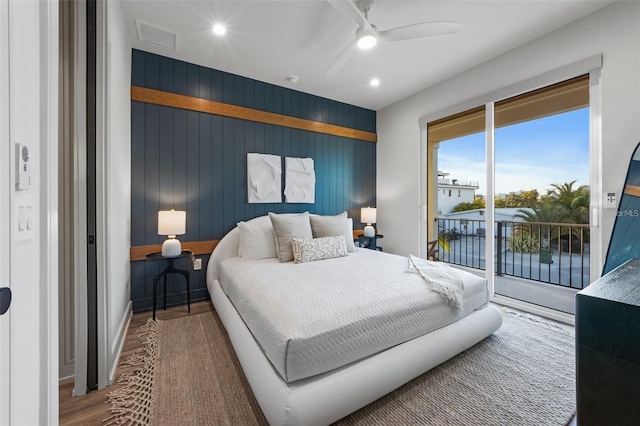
(613, 31)
(118, 168)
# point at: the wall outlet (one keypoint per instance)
(197, 264)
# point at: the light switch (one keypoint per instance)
(22, 218)
(29, 217)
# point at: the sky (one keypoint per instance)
(529, 155)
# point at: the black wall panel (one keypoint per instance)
(197, 162)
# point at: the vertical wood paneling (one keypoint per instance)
(258, 96)
(197, 162)
(227, 174)
(193, 176)
(152, 174)
(166, 159)
(238, 90)
(239, 173)
(152, 71)
(216, 86)
(205, 190)
(249, 93)
(248, 140)
(138, 70)
(193, 80)
(180, 161)
(180, 77)
(166, 74)
(205, 83)
(227, 88)
(138, 193)
(217, 176)
(268, 98)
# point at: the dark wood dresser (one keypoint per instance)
(608, 348)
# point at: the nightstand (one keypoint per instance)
(370, 242)
(170, 269)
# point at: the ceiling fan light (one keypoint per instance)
(367, 41)
(219, 29)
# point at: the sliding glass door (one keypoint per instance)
(508, 192)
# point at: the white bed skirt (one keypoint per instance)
(326, 398)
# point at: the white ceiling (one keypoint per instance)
(270, 40)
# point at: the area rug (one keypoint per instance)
(523, 374)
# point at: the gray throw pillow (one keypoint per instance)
(331, 226)
(287, 226)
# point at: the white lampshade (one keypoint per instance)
(368, 216)
(171, 223)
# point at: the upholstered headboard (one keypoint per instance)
(225, 249)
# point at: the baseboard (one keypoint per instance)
(66, 379)
(118, 344)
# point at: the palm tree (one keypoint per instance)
(562, 204)
(574, 203)
(546, 213)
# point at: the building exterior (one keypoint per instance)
(452, 192)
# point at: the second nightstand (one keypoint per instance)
(170, 269)
(371, 242)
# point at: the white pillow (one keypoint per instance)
(287, 226)
(330, 226)
(318, 248)
(256, 239)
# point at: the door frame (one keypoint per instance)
(5, 213)
(591, 66)
(49, 387)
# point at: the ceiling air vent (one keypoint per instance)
(152, 34)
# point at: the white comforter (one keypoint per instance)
(314, 317)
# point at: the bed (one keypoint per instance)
(318, 340)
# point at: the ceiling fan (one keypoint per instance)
(367, 35)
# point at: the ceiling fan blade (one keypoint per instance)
(342, 58)
(349, 9)
(425, 29)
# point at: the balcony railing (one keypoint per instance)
(554, 253)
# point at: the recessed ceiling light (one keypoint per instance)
(374, 82)
(219, 29)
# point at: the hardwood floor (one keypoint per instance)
(92, 409)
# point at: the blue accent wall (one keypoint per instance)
(196, 162)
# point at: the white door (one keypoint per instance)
(28, 95)
(5, 237)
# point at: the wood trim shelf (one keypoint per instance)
(174, 100)
(632, 190)
(197, 247)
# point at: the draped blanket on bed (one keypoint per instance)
(442, 278)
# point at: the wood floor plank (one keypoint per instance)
(92, 409)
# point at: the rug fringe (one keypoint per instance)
(131, 403)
